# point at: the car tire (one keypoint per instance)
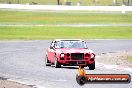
(57, 64)
(47, 63)
(82, 66)
(92, 66)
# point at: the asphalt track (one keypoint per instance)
(23, 61)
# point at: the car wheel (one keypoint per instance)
(82, 66)
(57, 64)
(47, 63)
(92, 66)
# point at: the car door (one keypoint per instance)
(51, 52)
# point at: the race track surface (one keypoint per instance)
(23, 61)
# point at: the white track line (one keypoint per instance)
(64, 25)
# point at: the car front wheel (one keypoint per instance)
(57, 64)
(92, 66)
(47, 63)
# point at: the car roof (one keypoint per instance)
(68, 40)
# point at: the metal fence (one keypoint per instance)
(71, 2)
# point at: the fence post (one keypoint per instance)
(123, 9)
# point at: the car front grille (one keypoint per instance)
(77, 56)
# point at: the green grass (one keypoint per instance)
(29, 33)
(130, 59)
(73, 2)
(19, 17)
(52, 32)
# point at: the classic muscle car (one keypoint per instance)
(69, 52)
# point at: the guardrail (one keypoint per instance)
(122, 8)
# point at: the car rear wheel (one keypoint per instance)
(92, 66)
(57, 64)
(47, 63)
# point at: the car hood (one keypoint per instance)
(74, 50)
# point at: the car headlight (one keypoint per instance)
(92, 55)
(62, 55)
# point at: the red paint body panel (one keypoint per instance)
(71, 56)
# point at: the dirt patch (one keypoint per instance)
(116, 58)
(9, 84)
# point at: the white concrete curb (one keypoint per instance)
(122, 8)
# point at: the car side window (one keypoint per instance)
(86, 46)
(56, 44)
(52, 44)
(59, 44)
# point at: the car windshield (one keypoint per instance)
(70, 44)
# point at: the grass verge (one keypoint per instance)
(32, 33)
(130, 59)
(63, 2)
(25, 17)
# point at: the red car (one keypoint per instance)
(69, 52)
